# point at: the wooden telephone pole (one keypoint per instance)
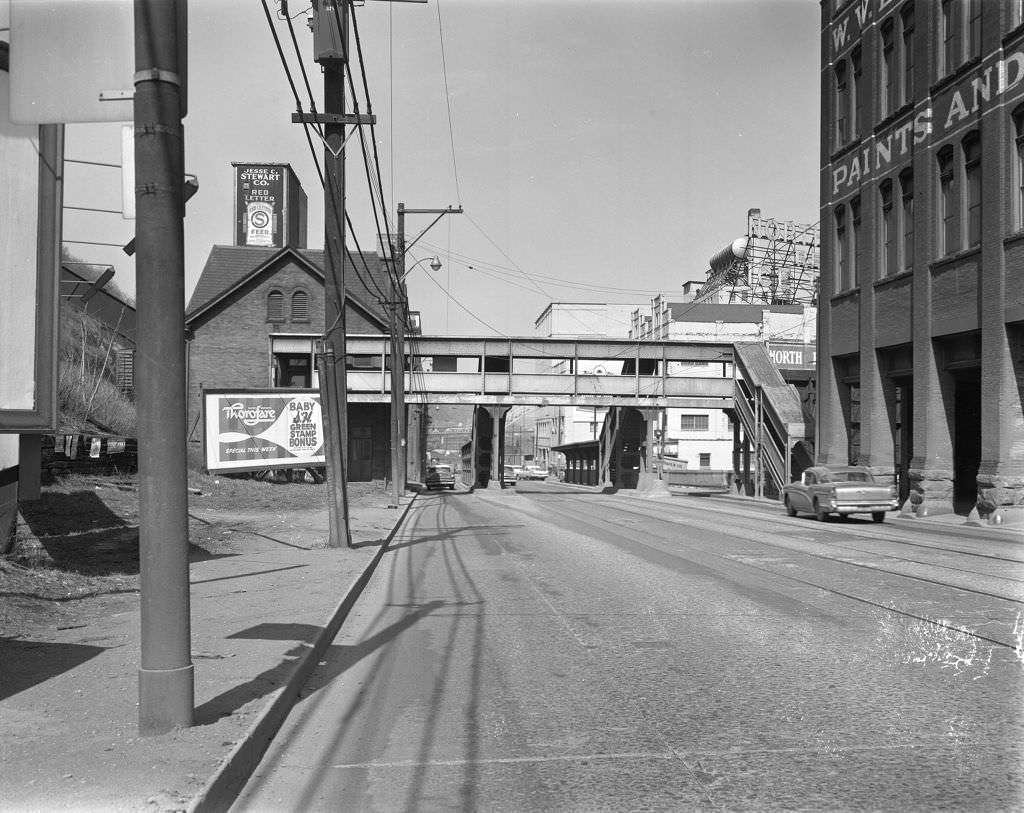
(330, 49)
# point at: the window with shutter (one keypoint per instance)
(300, 306)
(275, 306)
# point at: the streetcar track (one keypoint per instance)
(894, 534)
(864, 565)
(583, 518)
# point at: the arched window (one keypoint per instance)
(889, 67)
(948, 237)
(888, 222)
(857, 93)
(1017, 170)
(907, 217)
(907, 22)
(972, 189)
(275, 306)
(853, 266)
(839, 248)
(300, 306)
(841, 101)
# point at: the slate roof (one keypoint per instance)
(228, 267)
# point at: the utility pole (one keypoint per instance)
(330, 47)
(166, 679)
(399, 447)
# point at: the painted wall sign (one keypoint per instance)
(260, 205)
(253, 430)
(790, 356)
(999, 80)
(846, 29)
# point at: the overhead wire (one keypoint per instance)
(448, 102)
(332, 204)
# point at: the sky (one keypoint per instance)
(602, 151)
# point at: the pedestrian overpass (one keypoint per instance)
(635, 380)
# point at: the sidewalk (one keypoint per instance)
(260, 620)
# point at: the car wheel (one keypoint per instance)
(789, 508)
(878, 516)
(819, 514)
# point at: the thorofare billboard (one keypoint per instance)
(249, 430)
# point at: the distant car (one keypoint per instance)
(533, 473)
(511, 473)
(440, 476)
(827, 490)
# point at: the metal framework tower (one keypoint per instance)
(776, 263)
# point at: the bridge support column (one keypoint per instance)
(497, 448)
(649, 481)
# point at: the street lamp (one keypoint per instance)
(435, 265)
(397, 329)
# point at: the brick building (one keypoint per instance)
(921, 316)
(256, 313)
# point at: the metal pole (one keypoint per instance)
(336, 13)
(398, 460)
(397, 465)
(166, 680)
(337, 503)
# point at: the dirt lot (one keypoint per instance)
(77, 548)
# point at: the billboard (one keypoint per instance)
(30, 197)
(249, 430)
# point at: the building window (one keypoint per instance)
(972, 189)
(950, 31)
(853, 265)
(948, 241)
(1016, 13)
(839, 247)
(890, 260)
(889, 68)
(705, 460)
(1017, 199)
(300, 306)
(842, 103)
(973, 28)
(907, 22)
(693, 423)
(275, 306)
(907, 216)
(857, 94)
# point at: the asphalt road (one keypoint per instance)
(543, 649)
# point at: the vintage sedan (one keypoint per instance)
(827, 490)
(533, 473)
(440, 476)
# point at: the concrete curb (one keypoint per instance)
(231, 775)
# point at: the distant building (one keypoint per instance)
(921, 321)
(532, 432)
(706, 438)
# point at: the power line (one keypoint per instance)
(448, 102)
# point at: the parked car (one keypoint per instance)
(533, 473)
(440, 476)
(827, 490)
(511, 473)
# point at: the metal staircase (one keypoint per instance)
(772, 417)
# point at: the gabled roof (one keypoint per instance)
(230, 267)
